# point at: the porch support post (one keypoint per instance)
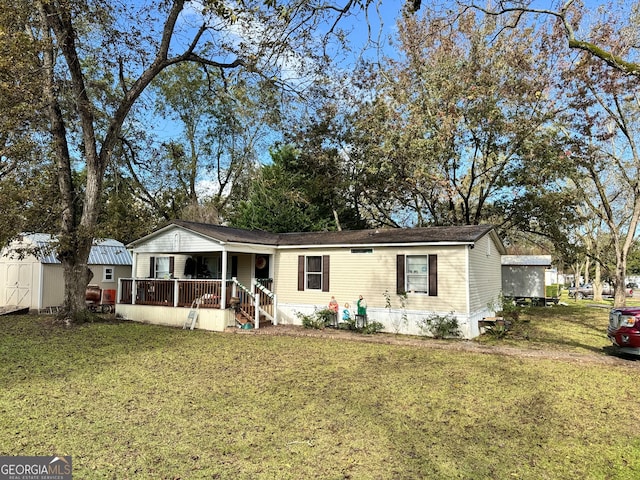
(175, 292)
(223, 287)
(134, 263)
(275, 309)
(134, 275)
(257, 305)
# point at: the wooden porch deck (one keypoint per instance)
(181, 293)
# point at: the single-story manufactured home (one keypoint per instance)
(404, 275)
(31, 275)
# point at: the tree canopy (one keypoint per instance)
(521, 117)
(90, 63)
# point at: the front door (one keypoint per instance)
(262, 267)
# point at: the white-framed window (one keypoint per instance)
(162, 267)
(313, 272)
(109, 274)
(417, 276)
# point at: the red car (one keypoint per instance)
(624, 329)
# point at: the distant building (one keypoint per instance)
(31, 275)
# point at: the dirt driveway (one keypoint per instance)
(455, 345)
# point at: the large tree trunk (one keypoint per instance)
(77, 276)
(620, 297)
(597, 284)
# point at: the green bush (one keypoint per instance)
(325, 316)
(373, 327)
(496, 331)
(311, 320)
(506, 307)
(552, 291)
(349, 324)
(318, 320)
(439, 326)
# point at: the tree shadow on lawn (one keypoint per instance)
(558, 344)
(36, 347)
(572, 329)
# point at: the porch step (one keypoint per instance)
(242, 319)
(265, 322)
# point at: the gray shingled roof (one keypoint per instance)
(455, 234)
(461, 234)
(104, 251)
(229, 234)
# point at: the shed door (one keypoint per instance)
(18, 291)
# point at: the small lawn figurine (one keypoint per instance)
(333, 305)
(346, 316)
(361, 313)
(333, 308)
(362, 307)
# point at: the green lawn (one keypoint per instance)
(132, 401)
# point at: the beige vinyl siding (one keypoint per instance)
(53, 285)
(244, 265)
(53, 282)
(144, 264)
(120, 271)
(245, 274)
(485, 274)
(177, 240)
(179, 262)
(373, 274)
(36, 273)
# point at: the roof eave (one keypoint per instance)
(373, 245)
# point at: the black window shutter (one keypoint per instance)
(152, 267)
(400, 288)
(433, 275)
(325, 273)
(300, 272)
(171, 265)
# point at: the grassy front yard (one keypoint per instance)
(132, 401)
(578, 327)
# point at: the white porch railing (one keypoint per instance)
(182, 293)
(254, 304)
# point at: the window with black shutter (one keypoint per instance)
(417, 274)
(313, 272)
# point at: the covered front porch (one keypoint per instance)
(226, 277)
(219, 304)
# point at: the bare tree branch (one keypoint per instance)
(562, 15)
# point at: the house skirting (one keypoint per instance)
(208, 318)
(398, 321)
